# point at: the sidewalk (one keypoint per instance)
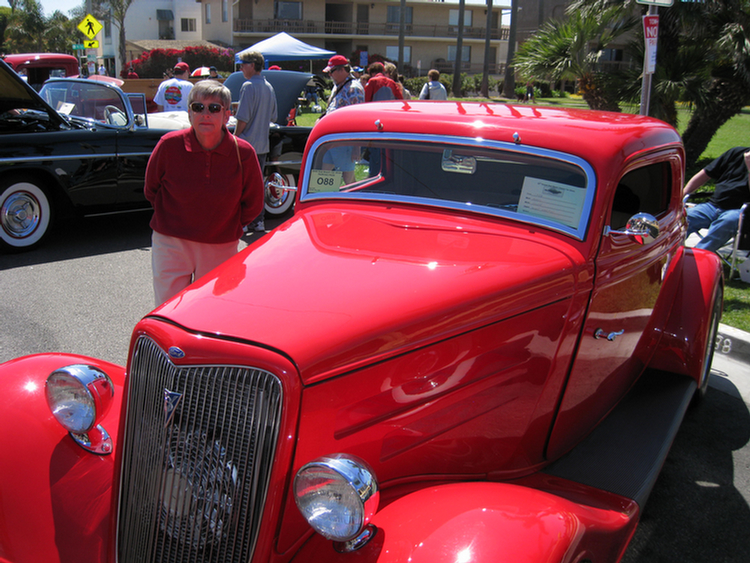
(732, 362)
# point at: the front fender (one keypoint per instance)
(488, 522)
(684, 340)
(55, 497)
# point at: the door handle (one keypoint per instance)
(601, 333)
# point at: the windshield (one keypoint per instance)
(87, 100)
(548, 189)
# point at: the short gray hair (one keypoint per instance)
(211, 89)
(254, 58)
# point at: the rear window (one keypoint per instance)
(534, 186)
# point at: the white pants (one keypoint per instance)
(176, 262)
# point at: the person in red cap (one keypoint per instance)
(172, 94)
(346, 91)
(274, 67)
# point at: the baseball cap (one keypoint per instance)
(181, 67)
(334, 61)
(358, 69)
(274, 67)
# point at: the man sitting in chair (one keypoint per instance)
(720, 214)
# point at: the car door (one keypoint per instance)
(624, 309)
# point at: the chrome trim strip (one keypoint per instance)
(70, 157)
(579, 232)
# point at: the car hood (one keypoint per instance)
(16, 94)
(336, 288)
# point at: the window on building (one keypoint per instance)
(165, 19)
(224, 11)
(107, 32)
(453, 17)
(391, 53)
(188, 24)
(465, 53)
(288, 10)
(394, 14)
(208, 13)
(611, 55)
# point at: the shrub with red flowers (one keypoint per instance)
(157, 62)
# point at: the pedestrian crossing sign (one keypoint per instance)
(90, 26)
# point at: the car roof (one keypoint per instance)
(601, 138)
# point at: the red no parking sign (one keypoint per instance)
(650, 35)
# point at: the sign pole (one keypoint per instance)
(650, 36)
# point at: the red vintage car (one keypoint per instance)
(489, 334)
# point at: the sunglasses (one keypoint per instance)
(198, 107)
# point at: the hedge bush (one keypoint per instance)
(157, 62)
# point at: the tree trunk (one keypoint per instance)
(509, 84)
(459, 50)
(485, 87)
(726, 100)
(595, 96)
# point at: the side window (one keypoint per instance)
(644, 190)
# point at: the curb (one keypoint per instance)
(730, 363)
(733, 343)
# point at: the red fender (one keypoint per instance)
(472, 522)
(55, 497)
(684, 339)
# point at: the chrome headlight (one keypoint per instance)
(337, 495)
(79, 396)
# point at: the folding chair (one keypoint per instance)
(742, 238)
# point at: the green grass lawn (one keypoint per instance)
(734, 133)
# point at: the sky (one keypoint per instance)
(50, 6)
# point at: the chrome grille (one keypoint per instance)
(198, 447)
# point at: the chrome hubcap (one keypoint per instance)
(20, 214)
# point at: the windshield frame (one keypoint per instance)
(578, 231)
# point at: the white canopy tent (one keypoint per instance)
(284, 47)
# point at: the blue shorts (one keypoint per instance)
(341, 158)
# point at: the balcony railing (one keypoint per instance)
(448, 67)
(362, 28)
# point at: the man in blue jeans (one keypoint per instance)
(720, 214)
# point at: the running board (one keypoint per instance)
(625, 453)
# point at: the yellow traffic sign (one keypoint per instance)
(90, 26)
(91, 44)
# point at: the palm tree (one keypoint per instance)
(723, 29)
(115, 11)
(570, 50)
(59, 30)
(26, 27)
(703, 58)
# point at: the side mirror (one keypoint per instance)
(641, 228)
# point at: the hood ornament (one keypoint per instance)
(171, 401)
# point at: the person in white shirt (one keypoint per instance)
(172, 94)
(433, 90)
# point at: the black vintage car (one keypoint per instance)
(80, 147)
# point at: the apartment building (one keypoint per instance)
(362, 29)
(354, 28)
